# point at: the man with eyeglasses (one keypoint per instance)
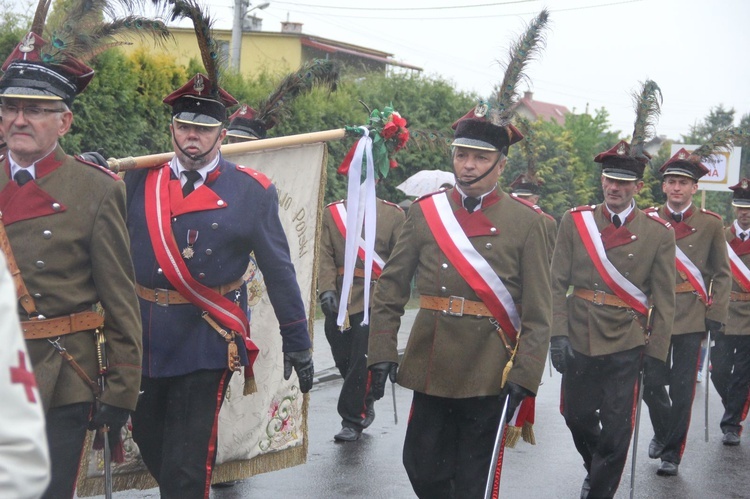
(193, 223)
(64, 230)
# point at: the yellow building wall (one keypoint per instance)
(277, 53)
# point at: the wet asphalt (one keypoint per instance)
(371, 467)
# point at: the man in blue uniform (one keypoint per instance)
(193, 223)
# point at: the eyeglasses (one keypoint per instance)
(33, 113)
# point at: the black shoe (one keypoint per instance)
(347, 435)
(731, 438)
(369, 415)
(668, 468)
(655, 448)
(586, 487)
(224, 485)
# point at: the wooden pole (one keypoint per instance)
(130, 163)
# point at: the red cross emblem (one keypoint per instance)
(22, 375)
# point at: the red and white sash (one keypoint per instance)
(740, 272)
(158, 217)
(592, 241)
(338, 211)
(692, 273)
(475, 270)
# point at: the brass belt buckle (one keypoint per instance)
(458, 299)
(598, 298)
(161, 297)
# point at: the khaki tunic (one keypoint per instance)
(701, 237)
(460, 357)
(70, 259)
(645, 256)
(390, 219)
(738, 322)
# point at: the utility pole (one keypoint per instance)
(240, 13)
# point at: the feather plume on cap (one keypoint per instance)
(84, 32)
(528, 146)
(722, 140)
(690, 164)
(318, 72)
(212, 57)
(647, 111)
(521, 53)
(488, 126)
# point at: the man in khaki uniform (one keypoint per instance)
(349, 346)
(480, 258)
(598, 337)
(701, 304)
(529, 190)
(65, 220)
(730, 358)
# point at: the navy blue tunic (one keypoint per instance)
(242, 217)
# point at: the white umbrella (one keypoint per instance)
(425, 181)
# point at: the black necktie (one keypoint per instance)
(616, 221)
(743, 236)
(192, 177)
(677, 217)
(471, 204)
(22, 176)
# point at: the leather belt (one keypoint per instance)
(456, 306)
(358, 273)
(600, 298)
(684, 287)
(60, 326)
(165, 297)
(737, 296)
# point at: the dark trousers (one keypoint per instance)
(598, 398)
(66, 432)
(175, 427)
(356, 404)
(730, 373)
(670, 412)
(448, 445)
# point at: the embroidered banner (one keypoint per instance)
(265, 431)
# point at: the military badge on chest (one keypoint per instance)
(188, 251)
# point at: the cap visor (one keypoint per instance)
(28, 93)
(741, 203)
(196, 119)
(241, 135)
(617, 174)
(474, 144)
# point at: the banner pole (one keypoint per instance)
(151, 160)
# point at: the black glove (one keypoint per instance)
(714, 326)
(380, 374)
(655, 372)
(515, 393)
(95, 157)
(114, 418)
(302, 362)
(561, 352)
(329, 303)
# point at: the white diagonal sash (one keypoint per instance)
(592, 241)
(472, 266)
(694, 276)
(338, 211)
(740, 272)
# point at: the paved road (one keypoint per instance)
(371, 468)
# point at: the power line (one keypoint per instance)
(452, 18)
(407, 8)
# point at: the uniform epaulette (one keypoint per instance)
(709, 212)
(258, 176)
(335, 202)
(98, 167)
(392, 204)
(585, 207)
(420, 198)
(653, 214)
(652, 209)
(531, 205)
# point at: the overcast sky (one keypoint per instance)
(597, 50)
